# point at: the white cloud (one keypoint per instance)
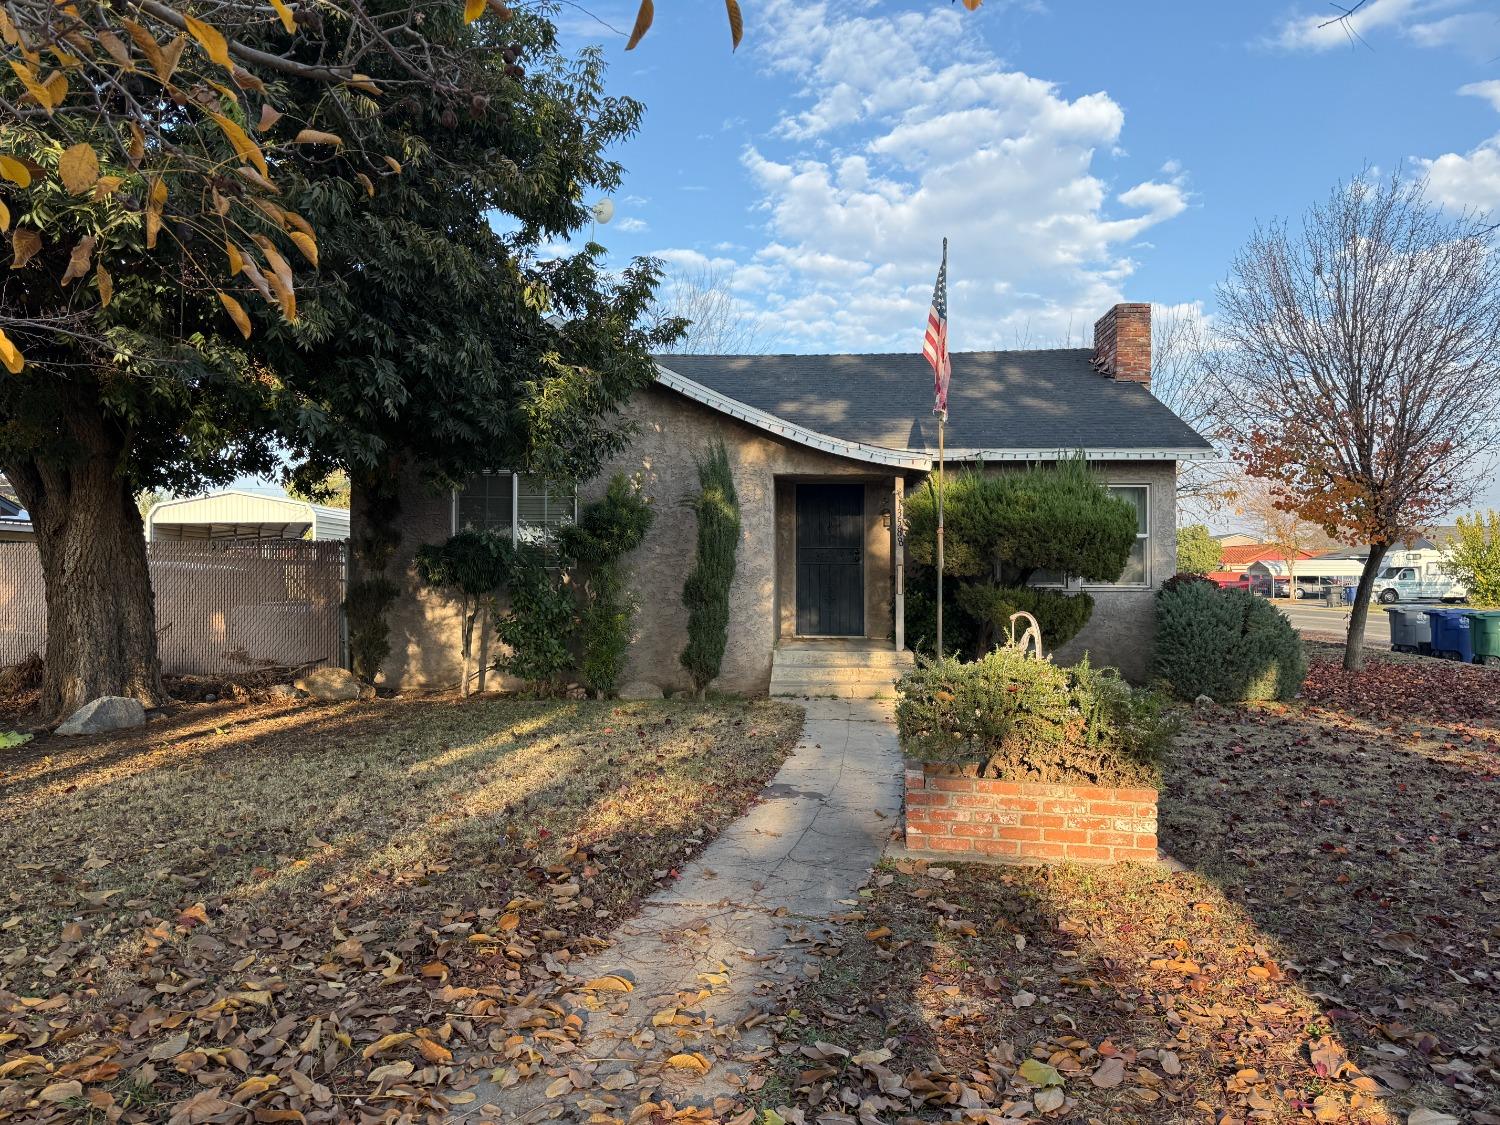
(1489, 91)
(1468, 25)
(1468, 181)
(631, 225)
(907, 128)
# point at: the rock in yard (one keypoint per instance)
(330, 685)
(1204, 701)
(640, 689)
(108, 712)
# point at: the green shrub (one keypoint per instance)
(606, 531)
(1001, 530)
(1183, 578)
(1226, 644)
(706, 592)
(538, 626)
(472, 565)
(1060, 616)
(1030, 720)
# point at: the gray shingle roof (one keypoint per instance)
(1050, 399)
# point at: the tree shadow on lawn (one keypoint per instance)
(1126, 993)
(339, 851)
(1358, 830)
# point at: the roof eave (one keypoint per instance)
(852, 450)
(1162, 453)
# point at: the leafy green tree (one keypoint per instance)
(1198, 552)
(430, 344)
(1473, 557)
(437, 346)
(473, 565)
(1001, 531)
(607, 530)
(706, 592)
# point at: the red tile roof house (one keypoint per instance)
(823, 448)
(1238, 559)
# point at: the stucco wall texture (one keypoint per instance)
(671, 433)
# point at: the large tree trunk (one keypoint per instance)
(101, 616)
(1354, 644)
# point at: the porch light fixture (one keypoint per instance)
(885, 515)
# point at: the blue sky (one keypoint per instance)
(1075, 152)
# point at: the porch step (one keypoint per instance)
(842, 669)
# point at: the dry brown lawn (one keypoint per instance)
(1329, 952)
(215, 918)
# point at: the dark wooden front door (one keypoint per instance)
(830, 560)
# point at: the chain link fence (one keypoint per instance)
(222, 609)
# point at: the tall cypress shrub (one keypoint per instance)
(706, 591)
(607, 530)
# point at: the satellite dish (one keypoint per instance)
(603, 211)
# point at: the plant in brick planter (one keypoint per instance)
(1017, 758)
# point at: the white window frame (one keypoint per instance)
(1140, 536)
(515, 504)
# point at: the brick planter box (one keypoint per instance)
(1024, 821)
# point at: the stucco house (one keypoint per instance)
(823, 449)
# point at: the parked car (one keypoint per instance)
(1317, 586)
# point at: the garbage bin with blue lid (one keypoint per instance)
(1411, 631)
(1451, 634)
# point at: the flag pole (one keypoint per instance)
(942, 417)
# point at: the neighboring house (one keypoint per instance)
(15, 524)
(240, 514)
(1239, 557)
(1235, 539)
(823, 449)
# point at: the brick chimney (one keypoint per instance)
(1122, 343)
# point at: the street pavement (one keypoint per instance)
(1308, 617)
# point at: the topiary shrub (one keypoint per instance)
(1022, 719)
(538, 627)
(706, 592)
(606, 531)
(1001, 530)
(1226, 644)
(1060, 616)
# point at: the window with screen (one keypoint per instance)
(486, 502)
(542, 506)
(528, 509)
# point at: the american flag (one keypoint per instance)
(935, 343)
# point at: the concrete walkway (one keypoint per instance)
(707, 955)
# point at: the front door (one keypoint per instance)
(830, 560)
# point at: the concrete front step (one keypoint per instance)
(811, 657)
(835, 673)
(855, 669)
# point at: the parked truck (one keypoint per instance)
(1417, 582)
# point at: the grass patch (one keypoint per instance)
(289, 884)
